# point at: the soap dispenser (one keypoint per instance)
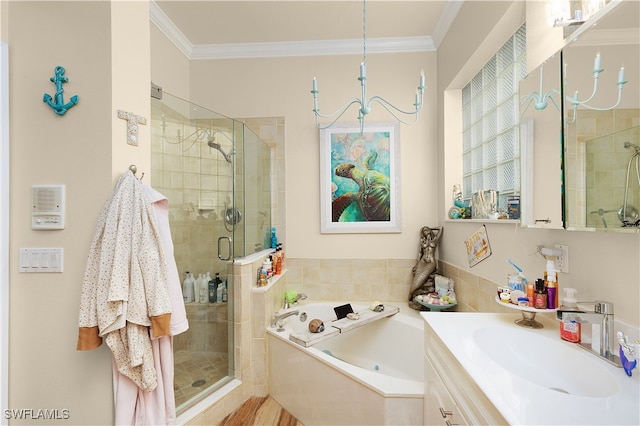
(569, 300)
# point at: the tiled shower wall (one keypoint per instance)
(610, 160)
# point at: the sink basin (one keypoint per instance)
(545, 362)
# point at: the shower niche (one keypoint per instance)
(216, 174)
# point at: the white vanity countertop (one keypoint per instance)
(522, 401)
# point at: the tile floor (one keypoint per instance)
(196, 371)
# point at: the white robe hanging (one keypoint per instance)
(125, 287)
(133, 405)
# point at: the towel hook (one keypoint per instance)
(134, 170)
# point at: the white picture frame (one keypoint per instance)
(359, 179)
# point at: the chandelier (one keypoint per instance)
(597, 69)
(362, 102)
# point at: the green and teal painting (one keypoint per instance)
(360, 178)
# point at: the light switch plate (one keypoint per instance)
(41, 260)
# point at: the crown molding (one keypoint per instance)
(169, 29)
(449, 14)
(293, 48)
(311, 48)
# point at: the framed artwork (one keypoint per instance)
(359, 179)
(478, 248)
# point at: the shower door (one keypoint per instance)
(193, 164)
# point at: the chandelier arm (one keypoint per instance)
(604, 108)
(391, 111)
(530, 98)
(574, 99)
(555, 104)
(573, 119)
(339, 111)
(388, 105)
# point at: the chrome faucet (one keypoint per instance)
(277, 319)
(287, 305)
(602, 315)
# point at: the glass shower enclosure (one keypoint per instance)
(215, 173)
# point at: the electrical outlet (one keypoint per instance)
(562, 262)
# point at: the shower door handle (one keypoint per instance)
(229, 250)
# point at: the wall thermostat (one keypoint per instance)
(47, 207)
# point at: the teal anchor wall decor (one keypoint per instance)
(59, 106)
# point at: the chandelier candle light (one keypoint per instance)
(365, 105)
(597, 69)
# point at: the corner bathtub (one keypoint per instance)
(370, 375)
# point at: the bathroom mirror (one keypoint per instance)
(601, 123)
(541, 142)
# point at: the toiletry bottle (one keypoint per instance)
(279, 265)
(213, 289)
(551, 271)
(219, 288)
(187, 289)
(530, 292)
(551, 287)
(274, 239)
(540, 297)
(204, 289)
(266, 266)
(225, 292)
(196, 289)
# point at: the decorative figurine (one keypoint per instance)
(424, 271)
(59, 107)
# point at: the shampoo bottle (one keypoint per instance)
(196, 289)
(213, 290)
(204, 288)
(187, 289)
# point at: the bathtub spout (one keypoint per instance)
(277, 319)
(288, 303)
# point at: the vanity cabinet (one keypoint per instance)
(452, 397)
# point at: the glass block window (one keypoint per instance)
(490, 111)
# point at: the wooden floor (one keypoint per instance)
(260, 411)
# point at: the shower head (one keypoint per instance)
(629, 145)
(213, 144)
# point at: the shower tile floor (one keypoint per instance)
(192, 368)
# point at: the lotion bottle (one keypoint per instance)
(187, 289)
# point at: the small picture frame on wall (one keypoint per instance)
(359, 179)
(478, 247)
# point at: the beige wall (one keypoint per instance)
(169, 67)
(84, 150)
(275, 87)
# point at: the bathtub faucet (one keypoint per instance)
(287, 303)
(277, 319)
